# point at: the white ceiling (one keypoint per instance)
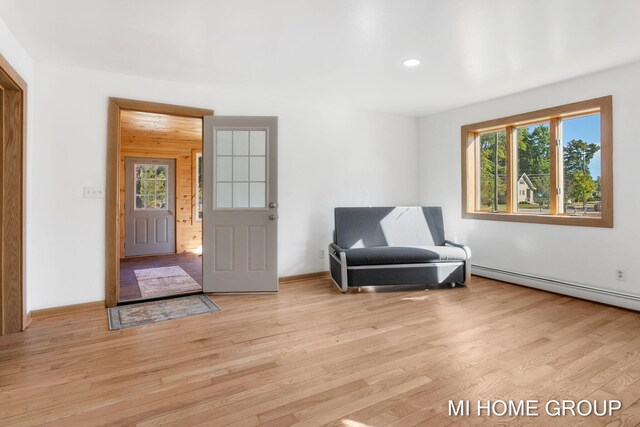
(344, 51)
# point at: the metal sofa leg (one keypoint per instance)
(467, 270)
(343, 273)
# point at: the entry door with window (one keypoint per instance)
(150, 197)
(240, 227)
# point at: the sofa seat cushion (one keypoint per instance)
(380, 255)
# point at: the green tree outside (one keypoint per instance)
(534, 147)
(488, 147)
(582, 188)
(534, 158)
(577, 156)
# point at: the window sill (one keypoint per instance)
(573, 220)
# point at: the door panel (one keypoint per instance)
(223, 248)
(150, 222)
(140, 231)
(162, 230)
(240, 204)
(257, 248)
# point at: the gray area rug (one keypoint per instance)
(163, 281)
(126, 316)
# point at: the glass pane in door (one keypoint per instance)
(151, 186)
(241, 169)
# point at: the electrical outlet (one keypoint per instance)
(93, 192)
(321, 253)
(621, 275)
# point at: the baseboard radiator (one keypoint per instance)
(619, 299)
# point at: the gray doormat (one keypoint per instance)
(126, 316)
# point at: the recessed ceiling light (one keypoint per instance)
(411, 62)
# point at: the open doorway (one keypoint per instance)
(158, 201)
(161, 231)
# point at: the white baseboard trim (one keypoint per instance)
(605, 296)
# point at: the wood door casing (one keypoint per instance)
(113, 221)
(13, 313)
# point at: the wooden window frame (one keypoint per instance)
(469, 151)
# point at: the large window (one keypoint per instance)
(549, 166)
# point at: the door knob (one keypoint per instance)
(272, 217)
(272, 205)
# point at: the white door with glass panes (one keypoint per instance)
(240, 204)
(149, 207)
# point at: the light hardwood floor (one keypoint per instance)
(313, 356)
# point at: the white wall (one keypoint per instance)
(581, 255)
(328, 156)
(24, 66)
(13, 52)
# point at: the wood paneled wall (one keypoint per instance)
(163, 136)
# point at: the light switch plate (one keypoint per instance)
(93, 192)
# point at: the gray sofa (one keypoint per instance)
(394, 246)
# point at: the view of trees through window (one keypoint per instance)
(151, 187)
(580, 167)
(534, 168)
(581, 156)
(493, 171)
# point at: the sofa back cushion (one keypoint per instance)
(388, 226)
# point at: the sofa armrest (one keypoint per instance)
(467, 262)
(338, 254)
(335, 249)
(458, 245)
